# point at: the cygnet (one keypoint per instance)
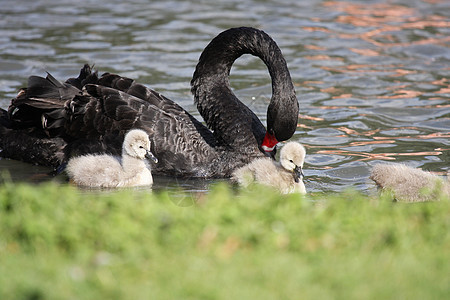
(410, 184)
(110, 171)
(286, 175)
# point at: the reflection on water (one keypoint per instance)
(372, 78)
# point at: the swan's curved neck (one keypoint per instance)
(218, 57)
(132, 164)
(210, 83)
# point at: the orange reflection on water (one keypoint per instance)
(331, 90)
(421, 137)
(364, 143)
(382, 16)
(403, 72)
(354, 132)
(363, 155)
(312, 82)
(434, 1)
(306, 117)
(399, 94)
(314, 47)
(393, 70)
(382, 26)
(443, 91)
(322, 57)
(376, 156)
(342, 96)
(442, 81)
(336, 107)
(312, 29)
(352, 69)
(378, 140)
(365, 52)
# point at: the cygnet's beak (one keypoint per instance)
(149, 155)
(298, 173)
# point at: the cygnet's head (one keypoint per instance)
(137, 144)
(292, 157)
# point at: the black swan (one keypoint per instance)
(49, 122)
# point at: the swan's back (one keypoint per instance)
(260, 170)
(409, 184)
(95, 170)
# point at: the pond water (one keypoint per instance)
(372, 77)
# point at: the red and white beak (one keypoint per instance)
(269, 142)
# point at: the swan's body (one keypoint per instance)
(286, 175)
(410, 184)
(91, 114)
(110, 171)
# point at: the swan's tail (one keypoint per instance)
(41, 106)
(29, 146)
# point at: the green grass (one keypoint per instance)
(57, 242)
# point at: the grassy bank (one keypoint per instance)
(59, 243)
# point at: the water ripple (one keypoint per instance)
(372, 78)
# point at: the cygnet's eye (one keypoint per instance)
(142, 147)
(291, 161)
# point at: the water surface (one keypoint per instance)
(372, 77)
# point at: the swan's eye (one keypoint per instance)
(142, 147)
(291, 161)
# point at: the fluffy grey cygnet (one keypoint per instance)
(410, 184)
(286, 175)
(110, 171)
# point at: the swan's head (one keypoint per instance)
(282, 119)
(292, 157)
(137, 144)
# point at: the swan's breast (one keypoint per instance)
(144, 178)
